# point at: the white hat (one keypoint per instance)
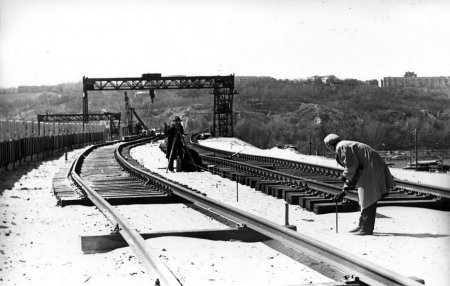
(331, 139)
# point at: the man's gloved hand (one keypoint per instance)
(339, 197)
(352, 183)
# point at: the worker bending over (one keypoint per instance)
(366, 170)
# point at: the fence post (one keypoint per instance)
(3, 129)
(10, 130)
(34, 141)
(25, 139)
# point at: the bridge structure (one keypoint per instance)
(222, 89)
(111, 117)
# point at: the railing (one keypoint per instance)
(26, 140)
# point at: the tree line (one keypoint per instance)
(269, 112)
(303, 113)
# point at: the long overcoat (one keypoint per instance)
(363, 165)
(171, 132)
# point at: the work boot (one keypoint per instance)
(358, 228)
(363, 232)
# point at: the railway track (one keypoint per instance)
(310, 186)
(100, 180)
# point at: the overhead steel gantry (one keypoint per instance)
(113, 118)
(222, 89)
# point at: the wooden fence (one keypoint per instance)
(28, 140)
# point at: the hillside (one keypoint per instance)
(382, 117)
(270, 111)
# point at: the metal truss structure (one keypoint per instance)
(222, 89)
(130, 111)
(113, 118)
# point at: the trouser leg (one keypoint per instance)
(173, 157)
(367, 218)
(179, 150)
(170, 155)
(358, 228)
(170, 166)
(176, 153)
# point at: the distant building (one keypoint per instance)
(325, 79)
(372, 82)
(318, 79)
(410, 74)
(410, 79)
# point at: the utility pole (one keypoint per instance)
(415, 146)
(310, 144)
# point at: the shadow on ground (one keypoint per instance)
(418, 235)
(10, 177)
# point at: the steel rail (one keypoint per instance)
(437, 191)
(367, 272)
(150, 261)
(286, 178)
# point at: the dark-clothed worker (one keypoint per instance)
(366, 170)
(174, 134)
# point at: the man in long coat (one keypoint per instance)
(366, 170)
(174, 134)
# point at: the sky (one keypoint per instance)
(45, 42)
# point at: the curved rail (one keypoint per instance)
(436, 191)
(150, 262)
(367, 272)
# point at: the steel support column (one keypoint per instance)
(223, 111)
(85, 102)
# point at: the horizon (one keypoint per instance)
(54, 42)
(236, 76)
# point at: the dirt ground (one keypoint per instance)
(40, 242)
(413, 242)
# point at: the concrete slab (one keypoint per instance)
(269, 189)
(293, 198)
(260, 185)
(324, 208)
(309, 204)
(279, 191)
(302, 200)
(104, 243)
(251, 181)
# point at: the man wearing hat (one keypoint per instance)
(366, 170)
(174, 142)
